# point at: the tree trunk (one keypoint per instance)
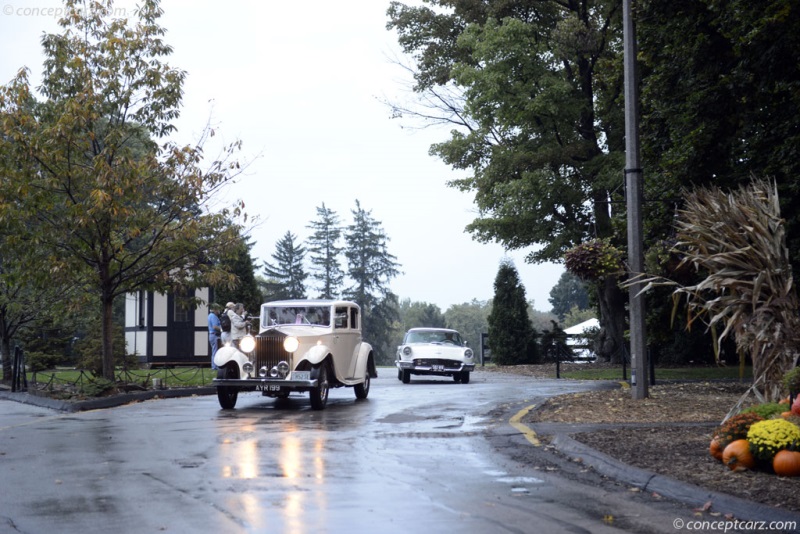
(5, 351)
(108, 353)
(611, 301)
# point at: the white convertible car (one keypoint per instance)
(302, 345)
(434, 351)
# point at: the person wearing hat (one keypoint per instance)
(214, 330)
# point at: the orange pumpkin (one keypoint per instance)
(715, 449)
(787, 463)
(784, 400)
(787, 415)
(737, 455)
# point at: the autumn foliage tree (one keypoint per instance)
(111, 209)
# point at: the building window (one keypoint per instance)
(182, 306)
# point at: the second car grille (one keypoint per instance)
(448, 364)
(269, 351)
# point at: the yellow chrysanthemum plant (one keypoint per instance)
(768, 437)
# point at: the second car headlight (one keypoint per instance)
(247, 344)
(468, 353)
(290, 344)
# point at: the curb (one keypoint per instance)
(103, 402)
(668, 487)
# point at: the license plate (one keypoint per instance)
(268, 387)
(301, 375)
(437, 367)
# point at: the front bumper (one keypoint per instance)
(434, 366)
(263, 384)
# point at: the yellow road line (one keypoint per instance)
(529, 434)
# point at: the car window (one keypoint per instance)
(307, 315)
(354, 318)
(340, 320)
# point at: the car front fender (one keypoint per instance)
(229, 354)
(316, 354)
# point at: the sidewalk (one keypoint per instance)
(100, 403)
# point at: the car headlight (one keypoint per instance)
(468, 353)
(407, 351)
(247, 344)
(283, 369)
(290, 344)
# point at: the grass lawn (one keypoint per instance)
(677, 373)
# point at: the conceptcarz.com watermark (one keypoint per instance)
(10, 10)
(733, 525)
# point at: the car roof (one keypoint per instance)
(310, 302)
(431, 329)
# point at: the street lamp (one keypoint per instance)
(633, 187)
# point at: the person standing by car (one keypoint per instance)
(238, 323)
(226, 321)
(214, 331)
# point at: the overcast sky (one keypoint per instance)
(302, 84)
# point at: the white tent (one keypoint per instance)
(582, 327)
(575, 337)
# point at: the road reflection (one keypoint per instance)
(281, 479)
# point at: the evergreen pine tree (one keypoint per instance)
(324, 249)
(286, 277)
(246, 290)
(512, 337)
(371, 267)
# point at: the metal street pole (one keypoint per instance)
(633, 185)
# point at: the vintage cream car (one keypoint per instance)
(302, 345)
(434, 351)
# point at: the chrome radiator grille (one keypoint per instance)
(269, 351)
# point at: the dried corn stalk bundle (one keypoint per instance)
(737, 240)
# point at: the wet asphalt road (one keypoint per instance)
(411, 458)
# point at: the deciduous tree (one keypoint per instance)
(114, 210)
(532, 90)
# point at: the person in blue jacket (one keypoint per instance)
(214, 330)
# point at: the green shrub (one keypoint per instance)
(766, 410)
(40, 361)
(96, 387)
(791, 381)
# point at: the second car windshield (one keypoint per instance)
(434, 337)
(307, 315)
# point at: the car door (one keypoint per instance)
(346, 337)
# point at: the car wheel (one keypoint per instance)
(362, 389)
(457, 378)
(319, 394)
(399, 374)
(227, 395)
(406, 376)
(465, 377)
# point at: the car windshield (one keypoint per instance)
(307, 315)
(436, 336)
